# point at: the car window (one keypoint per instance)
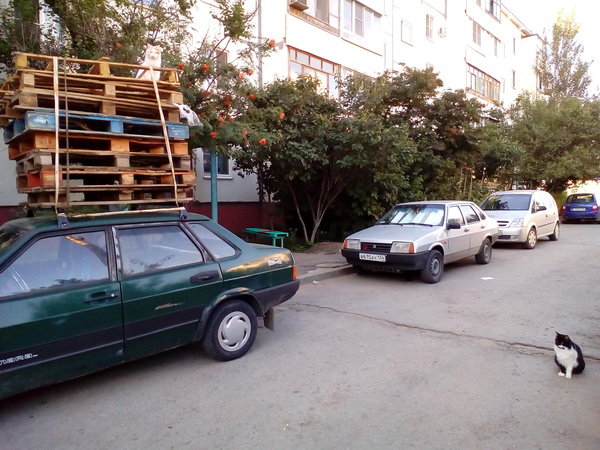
(580, 198)
(414, 214)
(57, 261)
(218, 247)
(507, 202)
(455, 216)
(149, 249)
(537, 202)
(469, 213)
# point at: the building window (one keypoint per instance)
(322, 10)
(429, 26)
(406, 32)
(223, 166)
(482, 83)
(496, 46)
(362, 21)
(514, 79)
(302, 63)
(476, 33)
(494, 8)
(514, 46)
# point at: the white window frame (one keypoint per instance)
(429, 26)
(406, 32)
(224, 166)
(477, 31)
(363, 21)
(303, 63)
(483, 83)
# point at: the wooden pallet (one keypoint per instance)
(102, 67)
(139, 197)
(107, 88)
(40, 140)
(101, 176)
(98, 124)
(106, 160)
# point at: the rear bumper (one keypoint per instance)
(581, 215)
(275, 295)
(393, 261)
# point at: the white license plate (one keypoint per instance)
(371, 257)
(578, 209)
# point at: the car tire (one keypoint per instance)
(485, 255)
(231, 331)
(555, 235)
(434, 268)
(531, 239)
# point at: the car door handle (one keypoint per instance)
(205, 277)
(100, 297)
(466, 230)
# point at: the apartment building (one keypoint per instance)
(475, 45)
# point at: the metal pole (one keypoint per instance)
(214, 204)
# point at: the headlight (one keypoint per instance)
(517, 222)
(352, 244)
(402, 247)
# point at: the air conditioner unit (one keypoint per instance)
(299, 4)
(442, 32)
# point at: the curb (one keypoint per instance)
(321, 274)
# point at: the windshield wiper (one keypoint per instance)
(415, 223)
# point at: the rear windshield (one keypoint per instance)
(507, 202)
(580, 198)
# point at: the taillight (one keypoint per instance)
(595, 207)
(564, 208)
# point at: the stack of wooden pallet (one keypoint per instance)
(96, 138)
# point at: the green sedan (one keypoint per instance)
(80, 294)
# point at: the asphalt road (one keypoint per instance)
(356, 362)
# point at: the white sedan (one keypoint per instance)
(423, 236)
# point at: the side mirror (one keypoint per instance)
(453, 225)
(542, 208)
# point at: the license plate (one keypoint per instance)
(371, 257)
(578, 209)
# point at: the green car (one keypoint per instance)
(81, 294)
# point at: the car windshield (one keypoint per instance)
(507, 202)
(580, 198)
(431, 215)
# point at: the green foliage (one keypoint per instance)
(560, 140)
(560, 67)
(90, 29)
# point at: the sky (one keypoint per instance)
(540, 15)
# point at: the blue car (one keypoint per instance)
(581, 206)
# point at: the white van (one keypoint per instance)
(523, 216)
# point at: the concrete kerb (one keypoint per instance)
(313, 267)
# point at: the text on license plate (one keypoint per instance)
(578, 209)
(371, 257)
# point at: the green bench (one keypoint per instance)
(277, 237)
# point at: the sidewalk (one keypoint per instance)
(322, 262)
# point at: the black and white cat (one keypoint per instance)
(568, 356)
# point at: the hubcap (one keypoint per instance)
(234, 331)
(435, 266)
